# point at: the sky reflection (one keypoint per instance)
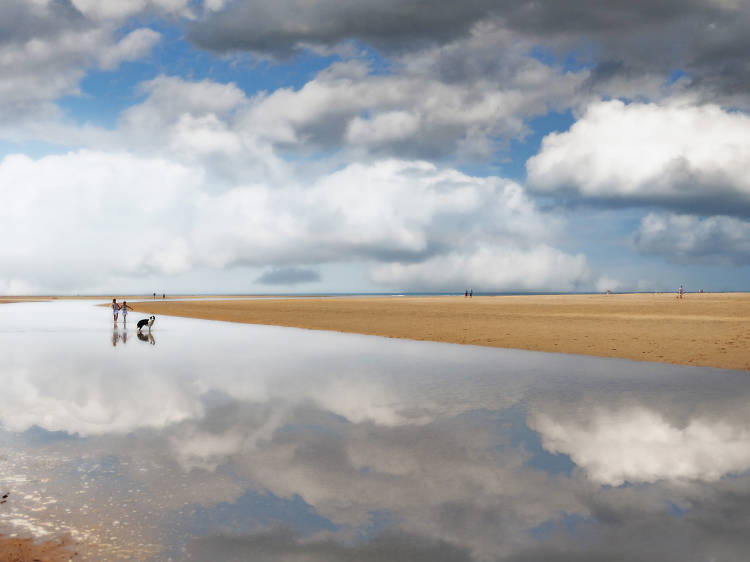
(233, 441)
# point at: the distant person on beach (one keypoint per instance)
(466, 293)
(471, 293)
(154, 296)
(682, 290)
(164, 296)
(115, 309)
(125, 309)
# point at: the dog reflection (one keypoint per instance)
(146, 337)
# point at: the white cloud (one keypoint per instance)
(414, 111)
(640, 445)
(689, 238)
(46, 53)
(676, 154)
(505, 266)
(75, 220)
(84, 217)
(121, 9)
(133, 46)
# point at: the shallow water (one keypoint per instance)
(218, 441)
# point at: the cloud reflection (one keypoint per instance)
(356, 447)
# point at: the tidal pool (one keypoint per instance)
(216, 441)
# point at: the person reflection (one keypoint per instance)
(115, 335)
(146, 337)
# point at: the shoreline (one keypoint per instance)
(703, 329)
(708, 329)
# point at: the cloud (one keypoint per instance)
(289, 276)
(679, 156)
(504, 266)
(692, 239)
(629, 42)
(284, 26)
(133, 46)
(46, 48)
(122, 9)
(171, 219)
(77, 212)
(420, 111)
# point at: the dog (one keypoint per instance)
(146, 322)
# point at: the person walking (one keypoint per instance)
(125, 309)
(115, 309)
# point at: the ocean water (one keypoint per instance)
(215, 441)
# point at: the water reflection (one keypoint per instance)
(248, 442)
(147, 337)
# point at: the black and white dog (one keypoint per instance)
(146, 322)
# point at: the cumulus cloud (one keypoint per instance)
(289, 276)
(133, 46)
(677, 155)
(398, 214)
(46, 47)
(67, 217)
(692, 239)
(121, 9)
(626, 42)
(421, 111)
(503, 266)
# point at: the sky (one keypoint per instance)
(218, 146)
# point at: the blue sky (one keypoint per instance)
(220, 146)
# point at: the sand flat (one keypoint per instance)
(711, 330)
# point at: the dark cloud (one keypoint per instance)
(718, 240)
(288, 276)
(280, 27)
(706, 39)
(21, 20)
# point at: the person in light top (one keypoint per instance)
(125, 309)
(115, 309)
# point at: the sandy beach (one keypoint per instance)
(711, 330)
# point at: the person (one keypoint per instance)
(125, 309)
(466, 293)
(164, 296)
(115, 309)
(471, 293)
(154, 296)
(681, 291)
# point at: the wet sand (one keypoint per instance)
(711, 330)
(25, 549)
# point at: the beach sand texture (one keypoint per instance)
(711, 330)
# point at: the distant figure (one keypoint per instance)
(701, 291)
(466, 293)
(471, 293)
(125, 309)
(164, 296)
(681, 291)
(154, 296)
(115, 309)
